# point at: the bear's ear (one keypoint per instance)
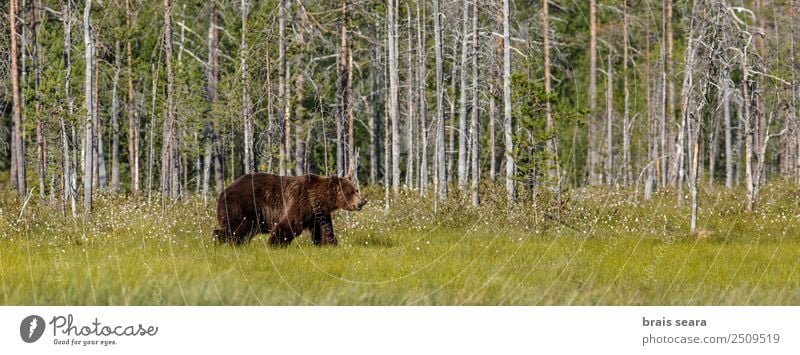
(349, 175)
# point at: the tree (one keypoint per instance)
(593, 157)
(462, 111)
(88, 169)
(668, 93)
(421, 86)
(17, 135)
(68, 172)
(344, 124)
(115, 183)
(283, 96)
(41, 143)
(609, 166)
(440, 178)
(169, 153)
(410, 114)
(133, 112)
(627, 176)
(474, 134)
(247, 118)
(507, 133)
(394, 81)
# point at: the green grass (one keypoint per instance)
(607, 249)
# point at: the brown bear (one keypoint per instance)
(284, 206)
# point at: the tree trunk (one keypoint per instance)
(462, 108)
(679, 162)
(793, 106)
(451, 129)
(748, 140)
(115, 118)
(609, 168)
(668, 92)
(394, 81)
(282, 84)
(247, 118)
(507, 133)
(627, 176)
(351, 158)
(213, 149)
(593, 160)
(343, 126)
(387, 153)
(151, 130)
(17, 144)
(421, 86)
(376, 119)
(474, 134)
(712, 148)
(652, 126)
(100, 173)
(726, 118)
(133, 112)
(300, 127)
(67, 168)
(440, 179)
(88, 166)
(169, 155)
(41, 143)
(410, 119)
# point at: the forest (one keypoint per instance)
(424, 96)
(662, 118)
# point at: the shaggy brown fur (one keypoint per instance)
(284, 206)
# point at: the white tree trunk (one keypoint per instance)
(609, 168)
(394, 82)
(440, 177)
(249, 158)
(626, 125)
(474, 134)
(423, 121)
(507, 133)
(462, 108)
(88, 89)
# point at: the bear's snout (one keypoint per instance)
(361, 203)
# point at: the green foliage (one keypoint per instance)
(532, 159)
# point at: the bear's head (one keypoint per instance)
(347, 194)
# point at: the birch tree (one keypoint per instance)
(474, 134)
(422, 104)
(133, 112)
(247, 119)
(507, 133)
(593, 156)
(88, 164)
(462, 108)
(394, 81)
(169, 153)
(626, 119)
(440, 178)
(68, 171)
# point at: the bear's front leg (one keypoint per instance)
(283, 234)
(323, 231)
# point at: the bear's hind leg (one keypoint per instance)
(244, 231)
(282, 235)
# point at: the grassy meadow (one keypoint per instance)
(608, 248)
